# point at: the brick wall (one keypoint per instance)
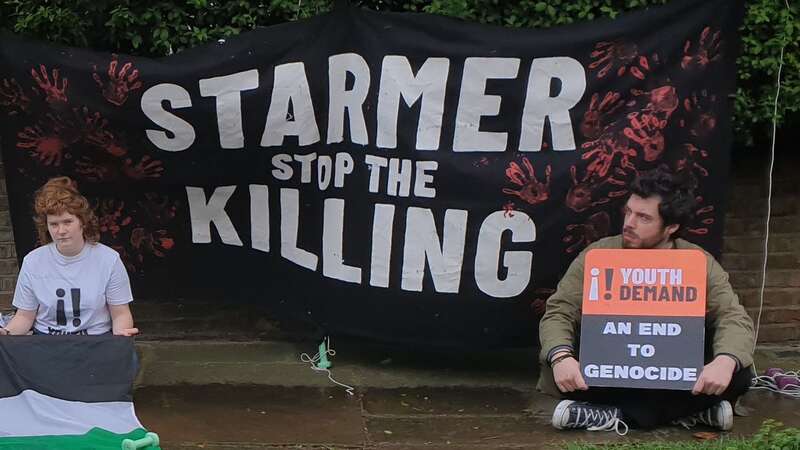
(780, 320)
(8, 255)
(744, 244)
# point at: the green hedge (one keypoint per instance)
(157, 28)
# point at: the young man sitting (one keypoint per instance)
(658, 208)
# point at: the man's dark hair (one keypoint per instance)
(676, 191)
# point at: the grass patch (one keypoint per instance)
(771, 436)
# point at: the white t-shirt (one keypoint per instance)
(71, 293)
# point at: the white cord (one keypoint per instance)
(297, 13)
(315, 359)
(769, 196)
(766, 382)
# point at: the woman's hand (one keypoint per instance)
(126, 332)
(122, 320)
(21, 323)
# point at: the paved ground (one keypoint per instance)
(258, 395)
(267, 417)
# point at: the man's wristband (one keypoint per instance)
(560, 358)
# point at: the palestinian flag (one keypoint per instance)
(67, 392)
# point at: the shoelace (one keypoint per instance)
(686, 422)
(703, 417)
(610, 421)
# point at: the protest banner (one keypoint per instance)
(405, 177)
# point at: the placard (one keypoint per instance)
(643, 323)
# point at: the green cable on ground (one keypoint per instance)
(323, 362)
(149, 439)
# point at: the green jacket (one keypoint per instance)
(560, 325)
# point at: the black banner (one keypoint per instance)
(401, 176)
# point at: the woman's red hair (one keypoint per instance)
(60, 195)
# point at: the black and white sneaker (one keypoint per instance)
(719, 416)
(589, 416)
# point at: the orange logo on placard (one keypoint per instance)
(645, 282)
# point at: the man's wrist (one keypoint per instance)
(729, 359)
(560, 357)
(551, 354)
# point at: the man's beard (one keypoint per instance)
(636, 242)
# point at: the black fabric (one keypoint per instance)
(76, 368)
(649, 408)
(657, 89)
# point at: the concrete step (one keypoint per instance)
(759, 188)
(776, 314)
(364, 364)
(221, 417)
(749, 244)
(356, 363)
(775, 278)
(782, 205)
(205, 320)
(783, 333)
(773, 296)
(6, 234)
(755, 261)
(753, 227)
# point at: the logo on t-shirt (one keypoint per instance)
(61, 315)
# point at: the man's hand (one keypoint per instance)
(126, 332)
(567, 375)
(716, 376)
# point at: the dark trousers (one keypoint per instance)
(648, 408)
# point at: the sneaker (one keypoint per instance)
(719, 416)
(592, 417)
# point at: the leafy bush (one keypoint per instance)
(157, 28)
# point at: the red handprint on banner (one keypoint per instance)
(603, 153)
(640, 70)
(120, 84)
(705, 216)
(539, 300)
(650, 140)
(53, 92)
(13, 97)
(158, 209)
(531, 190)
(138, 230)
(698, 109)
(156, 243)
(94, 131)
(508, 209)
(704, 52)
(663, 100)
(580, 196)
(111, 170)
(111, 217)
(600, 114)
(689, 160)
(93, 171)
(620, 56)
(579, 235)
(46, 146)
(645, 126)
(611, 55)
(145, 168)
